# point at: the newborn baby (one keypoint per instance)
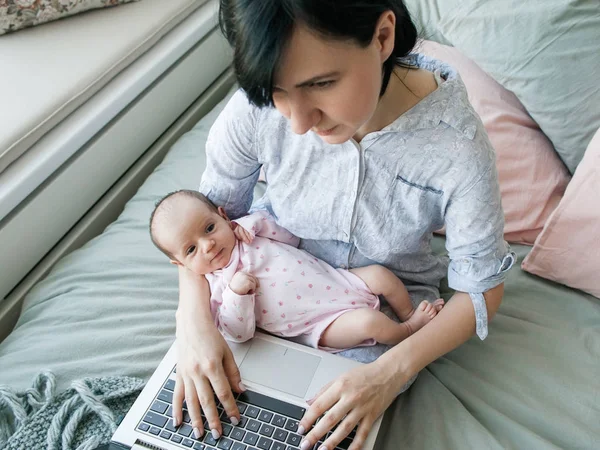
(258, 277)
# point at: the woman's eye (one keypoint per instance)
(322, 84)
(191, 249)
(210, 228)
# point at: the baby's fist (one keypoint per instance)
(243, 283)
(242, 234)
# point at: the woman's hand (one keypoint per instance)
(205, 363)
(358, 397)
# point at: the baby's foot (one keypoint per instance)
(422, 315)
(438, 304)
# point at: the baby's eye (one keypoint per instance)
(191, 249)
(210, 228)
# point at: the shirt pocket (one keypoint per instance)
(405, 215)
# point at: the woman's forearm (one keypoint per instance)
(194, 298)
(453, 326)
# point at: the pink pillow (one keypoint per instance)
(532, 177)
(568, 250)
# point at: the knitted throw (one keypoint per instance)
(82, 418)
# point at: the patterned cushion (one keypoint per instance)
(18, 14)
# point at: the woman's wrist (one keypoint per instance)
(394, 365)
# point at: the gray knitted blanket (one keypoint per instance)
(82, 418)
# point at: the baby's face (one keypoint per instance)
(199, 238)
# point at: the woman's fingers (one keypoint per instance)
(362, 432)
(320, 405)
(232, 372)
(344, 429)
(327, 423)
(178, 397)
(193, 405)
(220, 383)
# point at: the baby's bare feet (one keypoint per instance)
(423, 314)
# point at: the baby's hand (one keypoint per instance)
(243, 283)
(242, 234)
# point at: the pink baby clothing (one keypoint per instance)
(298, 297)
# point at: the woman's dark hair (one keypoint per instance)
(258, 31)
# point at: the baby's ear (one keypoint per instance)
(222, 213)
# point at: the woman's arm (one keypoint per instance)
(452, 326)
(205, 362)
(360, 396)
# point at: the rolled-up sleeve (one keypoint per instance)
(479, 256)
(232, 166)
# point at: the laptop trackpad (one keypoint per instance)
(279, 367)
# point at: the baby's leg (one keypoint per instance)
(357, 326)
(382, 281)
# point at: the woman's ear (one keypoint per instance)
(385, 34)
(177, 263)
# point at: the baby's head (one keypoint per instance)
(192, 231)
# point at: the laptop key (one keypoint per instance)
(243, 421)
(278, 446)
(226, 429)
(165, 434)
(278, 421)
(294, 439)
(225, 444)
(280, 435)
(188, 442)
(176, 438)
(170, 385)
(155, 419)
(252, 411)
(143, 426)
(251, 438)
(253, 425)
(265, 416)
(199, 446)
(159, 407)
(264, 443)
(155, 431)
(266, 430)
(185, 430)
(291, 425)
(345, 444)
(272, 404)
(241, 407)
(238, 446)
(209, 440)
(237, 434)
(165, 396)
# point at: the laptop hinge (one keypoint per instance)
(141, 445)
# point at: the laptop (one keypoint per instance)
(278, 374)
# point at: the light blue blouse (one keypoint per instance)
(380, 200)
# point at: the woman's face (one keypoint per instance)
(331, 87)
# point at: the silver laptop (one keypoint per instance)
(279, 375)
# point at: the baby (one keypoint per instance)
(258, 277)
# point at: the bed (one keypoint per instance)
(108, 309)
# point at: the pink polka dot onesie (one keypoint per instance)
(299, 295)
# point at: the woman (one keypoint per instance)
(367, 149)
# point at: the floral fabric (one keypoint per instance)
(18, 14)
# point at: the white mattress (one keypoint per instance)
(52, 123)
(50, 70)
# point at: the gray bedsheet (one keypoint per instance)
(108, 309)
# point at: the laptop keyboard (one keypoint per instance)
(266, 424)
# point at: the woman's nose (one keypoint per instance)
(302, 117)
